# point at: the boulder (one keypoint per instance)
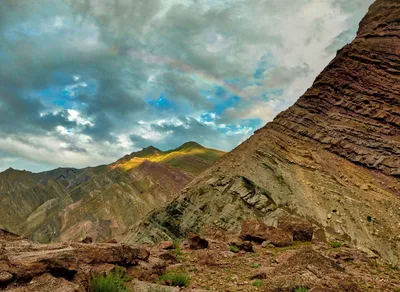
(259, 274)
(196, 242)
(148, 271)
(49, 283)
(166, 244)
(301, 230)
(26, 261)
(258, 231)
(169, 257)
(246, 246)
(87, 239)
(5, 277)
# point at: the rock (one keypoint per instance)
(87, 239)
(169, 257)
(246, 246)
(349, 285)
(48, 283)
(166, 245)
(196, 242)
(28, 260)
(301, 230)
(141, 286)
(148, 271)
(260, 274)
(349, 255)
(306, 268)
(5, 277)
(259, 232)
(283, 258)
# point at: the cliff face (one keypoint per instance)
(100, 202)
(333, 158)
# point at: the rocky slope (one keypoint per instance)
(228, 264)
(100, 202)
(332, 159)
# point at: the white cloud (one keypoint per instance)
(76, 116)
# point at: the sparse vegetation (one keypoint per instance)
(234, 248)
(393, 267)
(113, 282)
(255, 266)
(301, 289)
(176, 279)
(258, 283)
(336, 244)
(280, 179)
(177, 247)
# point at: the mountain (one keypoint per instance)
(100, 202)
(332, 159)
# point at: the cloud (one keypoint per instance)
(87, 81)
(172, 133)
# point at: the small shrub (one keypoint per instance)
(234, 248)
(178, 252)
(336, 244)
(393, 267)
(113, 282)
(301, 289)
(258, 283)
(176, 279)
(255, 266)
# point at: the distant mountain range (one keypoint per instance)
(101, 202)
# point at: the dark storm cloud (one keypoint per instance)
(75, 148)
(84, 81)
(139, 141)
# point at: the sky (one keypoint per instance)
(84, 82)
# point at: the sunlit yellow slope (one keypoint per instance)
(191, 157)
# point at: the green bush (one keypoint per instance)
(255, 266)
(258, 283)
(177, 247)
(176, 279)
(233, 248)
(113, 282)
(336, 244)
(301, 289)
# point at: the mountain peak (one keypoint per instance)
(190, 145)
(151, 148)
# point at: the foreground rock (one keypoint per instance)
(259, 232)
(38, 267)
(332, 159)
(196, 242)
(29, 267)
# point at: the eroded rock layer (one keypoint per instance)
(332, 159)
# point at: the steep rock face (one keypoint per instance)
(333, 158)
(100, 202)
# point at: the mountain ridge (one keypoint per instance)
(333, 158)
(70, 203)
